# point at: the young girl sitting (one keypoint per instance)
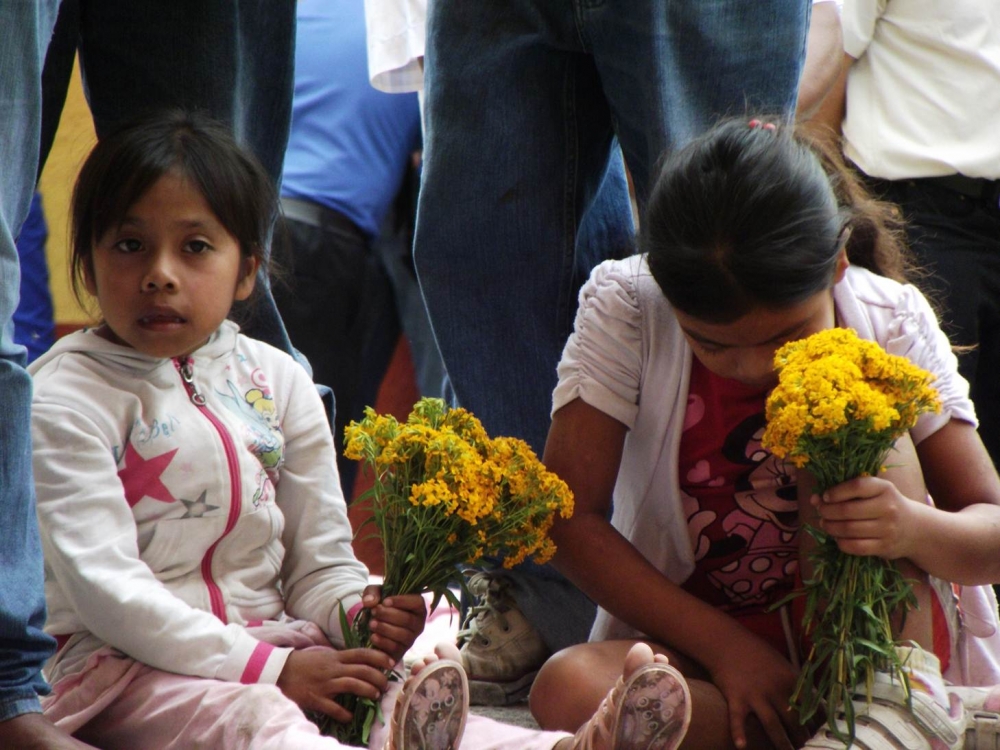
(198, 551)
(751, 239)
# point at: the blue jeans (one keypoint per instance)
(524, 102)
(25, 27)
(232, 59)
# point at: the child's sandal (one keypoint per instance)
(431, 709)
(651, 710)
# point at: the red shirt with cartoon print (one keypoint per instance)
(741, 504)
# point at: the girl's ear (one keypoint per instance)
(842, 265)
(245, 285)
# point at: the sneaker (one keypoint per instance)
(501, 651)
(431, 710)
(938, 717)
(982, 716)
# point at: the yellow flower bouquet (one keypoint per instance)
(839, 407)
(444, 496)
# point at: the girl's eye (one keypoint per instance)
(198, 246)
(128, 246)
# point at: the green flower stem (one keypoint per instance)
(850, 604)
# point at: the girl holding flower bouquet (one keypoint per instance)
(755, 237)
(199, 566)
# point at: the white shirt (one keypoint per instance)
(923, 98)
(396, 33)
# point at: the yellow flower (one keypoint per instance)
(839, 406)
(835, 392)
(445, 494)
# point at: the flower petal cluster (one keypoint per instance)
(446, 494)
(838, 393)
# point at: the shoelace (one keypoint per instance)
(491, 595)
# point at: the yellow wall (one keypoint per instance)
(73, 142)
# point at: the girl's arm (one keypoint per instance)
(319, 571)
(584, 448)
(955, 540)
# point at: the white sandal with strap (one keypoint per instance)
(982, 716)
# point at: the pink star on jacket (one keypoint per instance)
(141, 476)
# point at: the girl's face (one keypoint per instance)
(167, 276)
(744, 349)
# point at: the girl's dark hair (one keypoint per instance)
(746, 217)
(126, 163)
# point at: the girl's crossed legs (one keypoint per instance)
(126, 703)
(646, 706)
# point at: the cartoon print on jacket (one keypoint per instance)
(256, 410)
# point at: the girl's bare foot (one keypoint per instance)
(444, 650)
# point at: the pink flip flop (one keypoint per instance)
(649, 711)
(431, 710)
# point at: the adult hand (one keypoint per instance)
(395, 621)
(313, 677)
(756, 679)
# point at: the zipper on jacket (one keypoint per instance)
(185, 367)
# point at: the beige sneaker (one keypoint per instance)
(501, 651)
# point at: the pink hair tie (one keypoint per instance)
(765, 125)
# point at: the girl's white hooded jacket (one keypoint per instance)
(182, 500)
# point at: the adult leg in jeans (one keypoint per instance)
(231, 59)
(521, 108)
(25, 28)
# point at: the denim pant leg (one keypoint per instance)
(519, 151)
(230, 58)
(25, 28)
(671, 69)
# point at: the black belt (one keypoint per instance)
(987, 191)
(320, 217)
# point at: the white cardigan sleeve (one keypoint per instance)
(92, 556)
(901, 320)
(914, 333)
(602, 360)
(320, 571)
